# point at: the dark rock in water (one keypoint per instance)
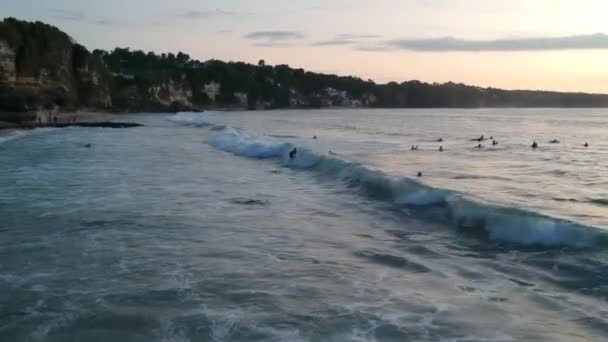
(248, 201)
(98, 124)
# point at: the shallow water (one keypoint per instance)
(198, 227)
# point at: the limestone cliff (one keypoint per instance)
(8, 72)
(173, 92)
(41, 68)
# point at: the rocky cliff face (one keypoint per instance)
(172, 92)
(100, 96)
(8, 72)
(93, 85)
(46, 88)
(41, 68)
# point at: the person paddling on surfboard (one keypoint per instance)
(292, 154)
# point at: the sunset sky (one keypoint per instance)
(531, 44)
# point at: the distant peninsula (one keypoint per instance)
(42, 69)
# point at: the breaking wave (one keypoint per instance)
(497, 223)
(192, 120)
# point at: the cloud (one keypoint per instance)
(450, 44)
(62, 14)
(274, 36)
(272, 44)
(69, 15)
(107, 22)
(345, 39)
(357, 36)
(196, 15)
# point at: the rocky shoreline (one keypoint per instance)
(61, 120)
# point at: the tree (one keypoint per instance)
(80, 56)
(183, 58)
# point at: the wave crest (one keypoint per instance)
(191, 119)
(501, 224)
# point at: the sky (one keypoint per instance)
(512, 44)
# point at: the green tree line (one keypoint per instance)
(129, 77)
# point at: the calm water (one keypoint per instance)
(198, 227)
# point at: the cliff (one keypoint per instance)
(8, 72)
(42, 69)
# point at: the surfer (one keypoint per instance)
(586, 144)
(534, 145)
(292, 153)
(479, 146)
(554, 141)
(440, 148)
(88, 145)
(494, 142)
(314, 138)
(419, 174)
(440, 140)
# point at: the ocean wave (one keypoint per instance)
(249, 201)
(599, 201)
(561, 199)
(192, 120)
(500, 224)
(16, 134)
(11, 136)
(230, 140)
(286, 136)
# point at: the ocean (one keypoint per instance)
(199, 227)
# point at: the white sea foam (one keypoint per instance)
(231, 140)
(191, 119)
